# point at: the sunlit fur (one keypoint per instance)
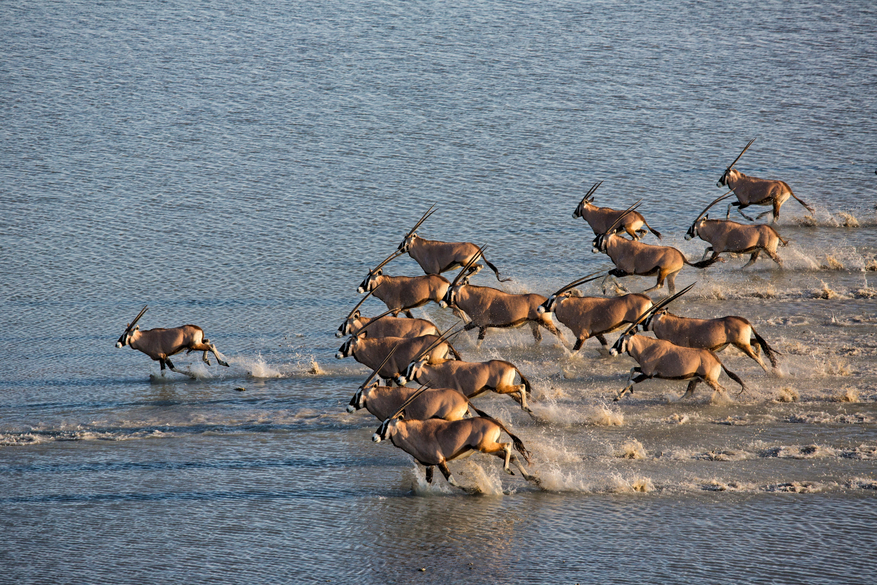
(384, 401)
(661, 359)
(435, 257)
(160, 344)
(602, 218)
(755, 191)
(730, 236)
(711, 334)
(405, 292)
(372, 351)
(386, 326)
(590, 317)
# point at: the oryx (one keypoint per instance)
(470, 378)
(402, 293)
(600, 218)
(635, 258)
(487, 307)
(755, 191)
(437, 257)
(160, 344)
(385, 325)
(712, 334)
(372, 351)
(383, 401)
(725, 235)
(590, 317)
(662, 359)
(435, 442)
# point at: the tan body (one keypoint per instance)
(383, 401)
(755, 191)
(436, 257)
(590, 317)
(405, 292)
(636, 258)
(471, 378)
(160, 344)
(662, 359)
(602, 218)
(489, 307)
(387, 326)
(373, 351)
(712, 334)
(435, 442)
(729, 236)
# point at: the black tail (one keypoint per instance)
(519, 445)
(770, 352)
(527, 387)
(703, 263)
(653, 230)
(810, 209)
(495, 270)
(736, 378)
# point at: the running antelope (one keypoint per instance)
(755, 191)
(470, 378)
(487, 307)
(600, 218)
(662, 359)
(371, 352)
(437, 257)
(725, 235)
(160, 344)
(403, 293)
(635, 258)
(384, 325)
(712, 334)
(383, 401)
(590, 317)
(435, 442)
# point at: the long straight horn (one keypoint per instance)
(425, 216)
(408, 402)
(657, 307)
(359, 304)
(731, 166)
(441, 339)
(618, 219)
(591, 191)
(392, 256)
(468, 265)
(374, 319)
(588, 278)
(368, 380)
(716, 200)
(137, 318)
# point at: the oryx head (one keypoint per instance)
(723, 180)
(587, 200)
(411, 236)
(388, 427)
(565, 292)
(412, 372)
(601, 242)
(348, 347)
(130, 328)
(697, 223)
(351, 321)
(371, 281)
(360, 398)
(461, 280)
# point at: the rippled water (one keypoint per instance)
(241, 167)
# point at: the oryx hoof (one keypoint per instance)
(509, 471)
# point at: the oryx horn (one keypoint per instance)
(408, 402)
(618, 219)
(716, 200)
(392, 256)
(588, 278)
(359, 304)
(657, 307)
(468, 265)
(591, 191)
(441, 339)
(137, 318)
(731, 166)
(378, 369)
(425, 216)
(374, 319)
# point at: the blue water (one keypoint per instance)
(241, 167)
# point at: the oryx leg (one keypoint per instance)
(429, 470)
(537, 334)
(752, 258)
(753, 353)
(612, 274)
(774, 256)
(631, 380)
(706, 253)
(518, 392)
(690, 390)
(715, 386)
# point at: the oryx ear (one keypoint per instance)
(707, 217)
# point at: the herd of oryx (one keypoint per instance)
(436, 421)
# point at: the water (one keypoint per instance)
(242, 166)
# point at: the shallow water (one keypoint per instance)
(242, 167)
